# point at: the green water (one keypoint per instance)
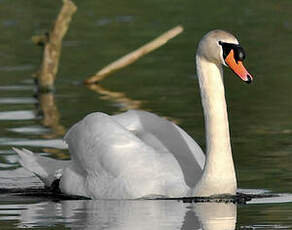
(162, 82)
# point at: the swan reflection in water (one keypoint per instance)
(123, 214)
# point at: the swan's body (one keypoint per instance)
(138, 154)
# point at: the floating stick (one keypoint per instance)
(135, 55)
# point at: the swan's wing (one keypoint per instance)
(115, 161)
(47, 169)
(162, 134)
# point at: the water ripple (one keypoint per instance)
(17, 87)
(18, 115)
(30, 130)
(18, 100)
(53, 143)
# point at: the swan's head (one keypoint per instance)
(220, 47)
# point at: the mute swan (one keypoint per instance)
(137, 154)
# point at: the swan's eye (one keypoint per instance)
(239, 54)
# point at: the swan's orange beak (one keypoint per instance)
(238, 68)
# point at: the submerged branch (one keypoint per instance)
(125, 102)
(51, 115)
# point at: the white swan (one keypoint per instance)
(138, 154)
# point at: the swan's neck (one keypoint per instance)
(219, 175)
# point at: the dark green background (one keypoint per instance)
(102, 31)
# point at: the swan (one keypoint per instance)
(138, 154)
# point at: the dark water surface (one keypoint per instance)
(162, 82)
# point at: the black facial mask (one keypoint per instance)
(239, 54)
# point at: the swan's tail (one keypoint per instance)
(47, 169)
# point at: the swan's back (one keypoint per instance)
(132, 155)
(163, 134)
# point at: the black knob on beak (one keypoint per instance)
(239, 54)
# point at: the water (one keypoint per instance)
(151, 214)
(162, 82)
